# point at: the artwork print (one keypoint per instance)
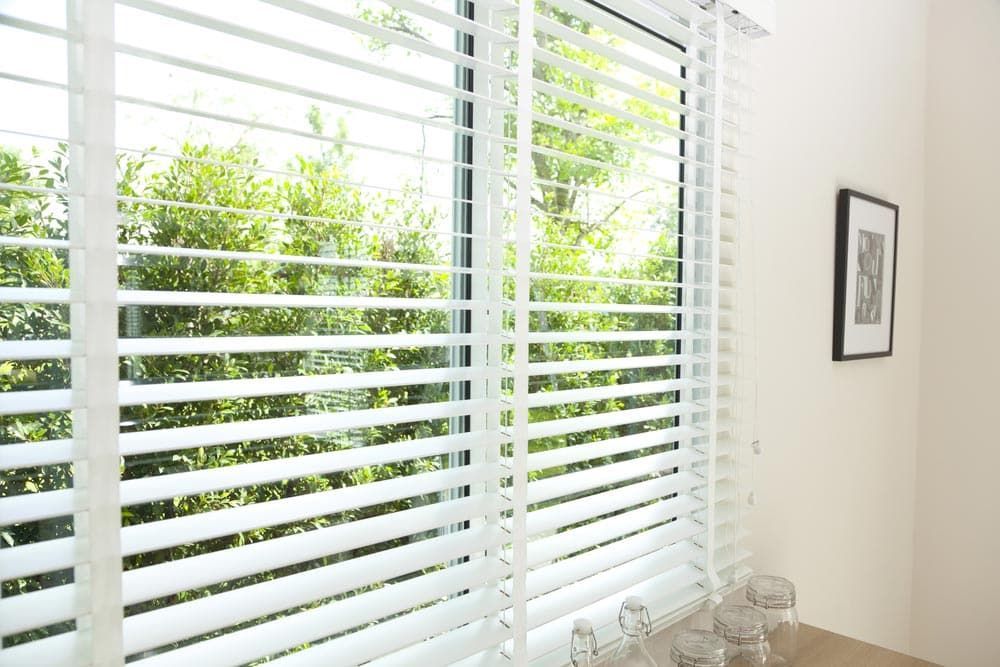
(871, 263)
(864, 276)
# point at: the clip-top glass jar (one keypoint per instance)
(698, 648)
(583, 644)
(745, 631)
(775, 596)
(634, 620)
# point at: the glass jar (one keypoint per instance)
(698, 648)
(634, 620)
(583, 644)
(775, 596)
(745, 631)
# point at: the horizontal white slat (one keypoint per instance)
(27, 350)
(36, 401)
(39, 557)
(281, 258)
(452, 647)
(180, 621)
(554, 427)
(148, 489)
(20, 613)
(33, 189)
(249, 644)
(565, 572)
(232, 299)
(33, 241)
(44, 453)
(213, 567)
(610, 447)
(37, 506)
(33, 26)
(548, 398)
(543, 521)
(175, 392)
(570, 598)
(47, 295)
(197, 527)
(609, 364)
(246, 344)
(602, 476)
(61, 650)
(569, 307)
(614, 280)
(33, 81)
(555, 337)
(207, 435)
(397, 633)
(544, 550)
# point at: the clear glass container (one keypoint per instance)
(775, 596)
(583, 645)
(698, 648)
(634, 620)
(745, 631)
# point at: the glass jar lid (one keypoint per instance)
(770, 592)
(741, 624)
(634, 603)
(698, 648)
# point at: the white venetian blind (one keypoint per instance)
(627, 333)
(307, 433)
(384, 331)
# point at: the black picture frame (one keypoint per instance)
(843, 264)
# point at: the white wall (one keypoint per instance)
(956, 590)
(839, 103)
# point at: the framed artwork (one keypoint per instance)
(864, 293)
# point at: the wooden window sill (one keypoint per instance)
(817, 647)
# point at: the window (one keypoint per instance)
(373, 331)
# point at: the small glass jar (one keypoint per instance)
(583, 644)
(775, 596)
(745, 631)
(698, 648)
(633, 617)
